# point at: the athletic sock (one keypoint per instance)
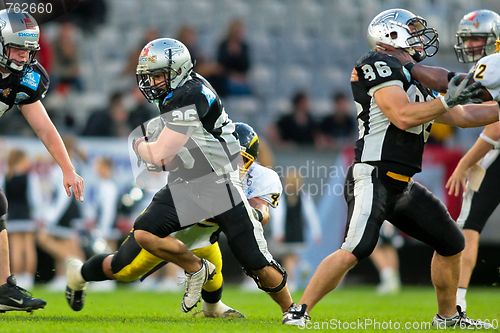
(461, 293)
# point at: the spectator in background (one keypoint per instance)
(90, 14)
(212, 71)
(297, 127)
(106, 203)
(338, 128)
(141, 111)
(131, 64)
(386, 260)
(234, 57)
(45, 55)
(22, 191)
(112, 121)
(61, 217)
(294, 217)
(66, 69)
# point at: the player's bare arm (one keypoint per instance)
(163, 150)
(37, 117)
(431, 77)
(488, 140)
(471, 115)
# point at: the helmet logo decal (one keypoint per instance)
(29, 23)
(175, 50)
(471, 16)
(476, 24)
(145, 50)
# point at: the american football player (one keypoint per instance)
(395, 113)
(23, 83)
(261, 186)
(478, 37)
(199, 146)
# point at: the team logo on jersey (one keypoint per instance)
(209, 94)
(31, 80)
(22, 96)
(2, 24)
(5, 92)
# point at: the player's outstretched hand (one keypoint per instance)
(460, 93)
(73, 182)
(399, 54)
(456, 181)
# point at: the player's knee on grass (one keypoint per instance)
(212, 253)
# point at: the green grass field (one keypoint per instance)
(131, 311)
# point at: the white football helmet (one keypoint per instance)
(163, 56)
(402, 29)
(18, 30)
(479, 23)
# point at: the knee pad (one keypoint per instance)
(276, 289)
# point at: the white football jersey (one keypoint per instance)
(487, 71)
(259, 182)
(264, 183)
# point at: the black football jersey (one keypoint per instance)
(380, 141)
(25, 88)
(195, 109)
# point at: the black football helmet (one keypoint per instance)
(249, 143)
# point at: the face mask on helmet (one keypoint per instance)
(155, 84)
(478, 35)
(249, 144)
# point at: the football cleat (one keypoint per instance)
(194, 283)
(220, 310)
(76, 285)
(15, 298)
(460, 320)
(296, 315)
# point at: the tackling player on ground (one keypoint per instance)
(262, 188)
(24, 83)
(395, 115)
(199, 147)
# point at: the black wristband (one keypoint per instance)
(409, 66)
(258, 214)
